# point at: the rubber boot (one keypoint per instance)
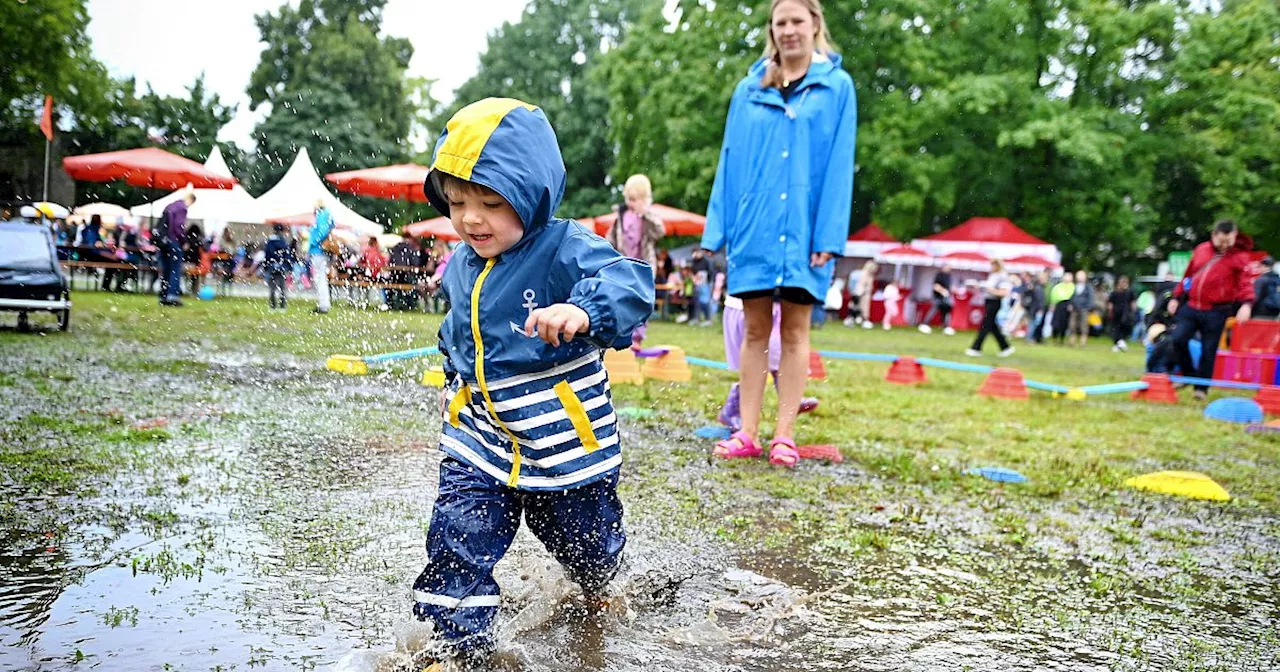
(807, 404)
(731, 414)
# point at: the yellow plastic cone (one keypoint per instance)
(1181, 483)
(622, 367)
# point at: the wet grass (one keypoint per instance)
(899, 501)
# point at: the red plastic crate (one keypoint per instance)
(1256, 336)
(1245, 367)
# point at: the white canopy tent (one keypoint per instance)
(297, 192)
(215, 207)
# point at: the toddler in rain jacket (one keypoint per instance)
(529, 425)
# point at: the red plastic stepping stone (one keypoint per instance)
(1159, 390)
(1004, 383)
(824, 451)
(906, 371)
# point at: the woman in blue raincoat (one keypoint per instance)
(780, 206)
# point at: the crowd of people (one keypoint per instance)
(131, 258)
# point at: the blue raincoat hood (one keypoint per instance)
(534, 415)
(508, 146)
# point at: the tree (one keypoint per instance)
(186, 125)
(1220, 126)
(43, 51)
(1114, 128)
(667, 107)
(547, 59)
(336, 87)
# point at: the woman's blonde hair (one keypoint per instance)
(821, 41)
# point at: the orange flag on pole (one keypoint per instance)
(46, 119)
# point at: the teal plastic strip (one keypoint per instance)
(858, 356)
(1215, 383)
(403, 354)
(1114, 388)
(709, 363)
(1046, 387)
(954, 366)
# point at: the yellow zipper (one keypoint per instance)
(484, 389)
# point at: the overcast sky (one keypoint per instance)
(145, 38)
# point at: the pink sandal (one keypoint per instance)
(782, 452)
(739, 444)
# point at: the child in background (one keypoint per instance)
(735, 332)
(277, 260)
(891, 298)
(636, 231)
(528, 422)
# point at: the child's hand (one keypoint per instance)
(552, 321)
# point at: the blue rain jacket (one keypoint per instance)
(784, 186)
(534, 416)
(319, 231)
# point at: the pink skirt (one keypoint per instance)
(735, 331)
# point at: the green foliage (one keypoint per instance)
(1117, 130)
(336, 87)
(669, 89)
(547, 59)
(185, 125)
(45, 51)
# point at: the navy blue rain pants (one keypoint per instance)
(474, 521)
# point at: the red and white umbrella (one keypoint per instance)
(401, 181)
(904, 255)
(1028, 263)
(966, 261)
(439, 228)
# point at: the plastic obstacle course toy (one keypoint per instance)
(353, 365)
(622, 367)
(1234, 409)
(1004, 384)
(672, 366)
(1182, 484)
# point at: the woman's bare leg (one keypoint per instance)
(758, 314)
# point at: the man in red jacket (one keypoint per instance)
(1217, 281)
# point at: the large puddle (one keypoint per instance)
(281, 525)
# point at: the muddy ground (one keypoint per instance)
(173, 500)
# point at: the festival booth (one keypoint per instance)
(295, 196)
(215, 209)
(969, 249)
(865, 244)
(904, 265)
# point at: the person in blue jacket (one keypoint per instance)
(781, 204)
(319, 259)
(529, 424)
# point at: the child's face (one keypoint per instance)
(485, 221)
(638, 204)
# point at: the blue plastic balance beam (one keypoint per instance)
(403, 354)
(709, 363)
(1114, 388)
(858, 356)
